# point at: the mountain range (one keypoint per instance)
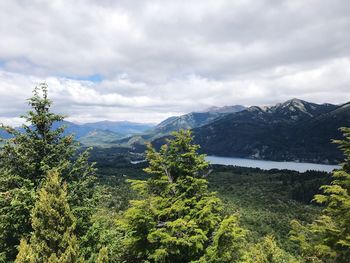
(194, 119)
(295, 130)
(103, 133)
(187, 121)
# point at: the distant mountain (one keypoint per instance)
(122, 127)
(107, 133)
(79, 131)
(293, 130)
(194, 119)
(4, 134)
(100, 138)
(98, 133)
(297, 110)
(175, 123)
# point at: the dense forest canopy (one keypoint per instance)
(55, 206)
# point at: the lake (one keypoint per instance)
(266, 165)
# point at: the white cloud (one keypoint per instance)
(159, 58)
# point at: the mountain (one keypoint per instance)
(100, 138)
(194, 119)
(296, 110)
(79, 131)
(294, 130)
(4, 134)
(175, 123)
(122, 127)
(98, 133)
(107, 133)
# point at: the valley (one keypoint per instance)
(265, 200)
(295, 130)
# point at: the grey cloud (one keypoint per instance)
(159, 58)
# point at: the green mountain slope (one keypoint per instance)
(100, 138)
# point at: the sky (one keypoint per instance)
(147, 60)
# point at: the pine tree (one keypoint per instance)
(53, 222)
(25, 158)
(177, 215)
(327, 239)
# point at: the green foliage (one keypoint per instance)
(328, 238)
(104, 236)
(177, 215)
(267, 251)
(16, 201)
(53, 222)
(25, 253)
(262, 198)
(264, 202)
(228, 242)
(24, 161)
(102, 256)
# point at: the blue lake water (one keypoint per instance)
(266, 165)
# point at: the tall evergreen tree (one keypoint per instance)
(327, 239)
(53, 222)
(176, 217)
(26, 157)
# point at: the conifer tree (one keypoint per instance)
(177, 215)
(53, 222)
(25, 158)
(227, 243)
(327, 239)
(104, 237)
(16, 201)
(267, 251)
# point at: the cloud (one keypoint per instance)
(155, 58)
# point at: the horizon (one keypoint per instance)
(19, 120)
(144, 62)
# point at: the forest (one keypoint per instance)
(60, 202)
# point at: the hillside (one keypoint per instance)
(194, 119)
(175, 123)
(101, 138)
(121, 127)
(104, 133)
(294, 130)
